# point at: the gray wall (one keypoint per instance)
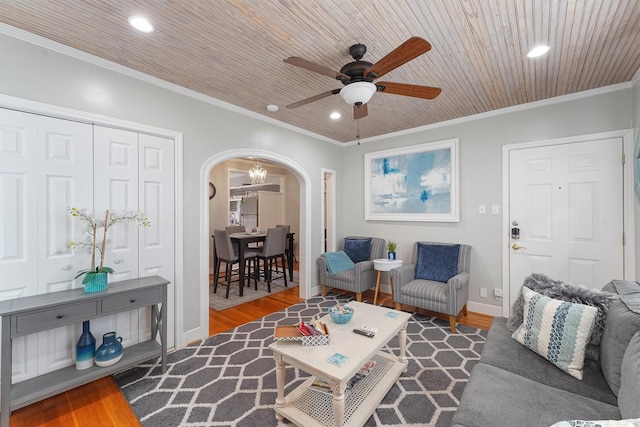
(481, 143)
(35, 73)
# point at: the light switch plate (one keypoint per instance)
(495, 209)
(482, 209)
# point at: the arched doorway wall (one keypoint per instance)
(305, 226)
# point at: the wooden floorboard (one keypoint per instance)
(101, 403)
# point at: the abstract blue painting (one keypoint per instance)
(415, 183)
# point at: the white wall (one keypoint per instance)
(36, 73)
(481, 142)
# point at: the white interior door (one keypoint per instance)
(157, 201)
(568, 202)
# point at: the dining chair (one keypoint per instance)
(272, 250)
(235, 229)
(225, 252)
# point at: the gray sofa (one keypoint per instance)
(513, 386)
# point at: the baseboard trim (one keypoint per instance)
(490, 310)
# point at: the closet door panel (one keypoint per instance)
(116, 189)
(157, 242)
(66, 180)
(18, 204)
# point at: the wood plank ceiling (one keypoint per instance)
(233, 50)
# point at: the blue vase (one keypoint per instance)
(85, 348)
(97, 283)
(110, 352)
(391, 256)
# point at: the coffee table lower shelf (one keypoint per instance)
(307, 406)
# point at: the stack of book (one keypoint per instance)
(322, 385)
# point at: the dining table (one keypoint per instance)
(242, 241)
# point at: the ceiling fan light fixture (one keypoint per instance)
(538, 51)
(358, 93)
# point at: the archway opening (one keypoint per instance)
(295, 174)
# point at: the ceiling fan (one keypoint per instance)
(358, 76)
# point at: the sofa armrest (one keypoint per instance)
(401, 276)
(363, 266)
(323, 270)
(458, 292)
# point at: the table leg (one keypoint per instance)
(338, 389)
(241, 267)
(290, 258)
(391, 283)
(375, 295)
(280, 378)
(402, 340)
(6, 371)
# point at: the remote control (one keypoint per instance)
(365, 333)
(369, 329)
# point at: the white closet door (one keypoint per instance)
(19, 204)
(116, 189)
(157, 201)
(45, 167)
(65, 170)
(66, 180)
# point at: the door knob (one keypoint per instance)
(516, 246)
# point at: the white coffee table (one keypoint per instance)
(307, 406)
(384, 264)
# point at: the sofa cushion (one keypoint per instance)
(358, 249)
(556, 330)
(499, 398)
(629, 395)
(598, 423)
(436, 262)
(621, 325)
(501, 351)
(567, 292)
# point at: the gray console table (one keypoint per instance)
(28, 315)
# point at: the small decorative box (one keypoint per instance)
(291, 333)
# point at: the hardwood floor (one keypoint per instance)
(100, 403)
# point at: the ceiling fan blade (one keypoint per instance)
(404, 53)
(313, 98)
(426, 92)
(312, 66)
(360, 111)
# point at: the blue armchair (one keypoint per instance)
(436, 279)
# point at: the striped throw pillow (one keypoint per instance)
(556, 330)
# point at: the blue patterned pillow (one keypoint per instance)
(437, 262)
(556, 330)
(358, 249)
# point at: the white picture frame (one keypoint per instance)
(414, 183)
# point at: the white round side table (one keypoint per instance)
(384, 264)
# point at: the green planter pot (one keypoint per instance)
(97, 284)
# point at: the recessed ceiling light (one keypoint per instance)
(272, 107)
(335, 115)
(141, 23)
(538, 51)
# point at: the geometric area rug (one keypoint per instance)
(218, 301)
(229, 379)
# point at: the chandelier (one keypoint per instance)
(257, 173)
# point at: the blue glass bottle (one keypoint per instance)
(85, 348)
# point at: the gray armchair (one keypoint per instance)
(356, 280)
(449, 297)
